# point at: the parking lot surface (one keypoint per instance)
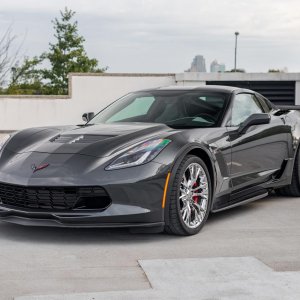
(45, 261)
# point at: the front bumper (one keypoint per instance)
(73, 219)
(135, 193)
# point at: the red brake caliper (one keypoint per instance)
(195, 198)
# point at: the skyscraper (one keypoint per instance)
(198, 64)
(215, 67)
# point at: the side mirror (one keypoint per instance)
(255, 119)
(88, 116)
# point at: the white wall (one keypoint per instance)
(88, 93)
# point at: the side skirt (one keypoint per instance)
(242, 202)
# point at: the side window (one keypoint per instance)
(264, 103)
(244, 105)
(138, 107)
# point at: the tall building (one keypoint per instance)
(215, 67)
(198, 64)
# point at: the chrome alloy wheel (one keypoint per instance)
(193, 196)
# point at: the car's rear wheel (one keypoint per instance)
(190, 197)
(293, 189)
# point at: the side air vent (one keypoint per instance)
(79, 139)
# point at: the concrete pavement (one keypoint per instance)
(45, 261)
(225, 278)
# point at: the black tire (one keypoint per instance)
(176, 224)
(292, 190)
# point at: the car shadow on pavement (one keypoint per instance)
(57, 235)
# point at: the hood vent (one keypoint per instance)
(79, 139)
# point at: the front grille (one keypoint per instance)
(80, 139)
(58, 198)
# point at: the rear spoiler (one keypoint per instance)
(288, 107)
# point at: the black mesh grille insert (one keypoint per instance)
(58, 198)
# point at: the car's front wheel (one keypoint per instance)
(190, 197)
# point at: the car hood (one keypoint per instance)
(93, 140)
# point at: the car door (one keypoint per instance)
(259, 153)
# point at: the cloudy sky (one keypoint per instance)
(165, 35)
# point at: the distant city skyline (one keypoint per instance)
(216, 67)
(163, 36)
(199, 65)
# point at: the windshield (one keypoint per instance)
(177, 109)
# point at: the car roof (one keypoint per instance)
(207, 88)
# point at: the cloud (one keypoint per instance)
(164, 35)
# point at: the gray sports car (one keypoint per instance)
(159, 159)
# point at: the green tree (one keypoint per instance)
(65, 55)
(27, 79)
(236, 71)
(8, 56)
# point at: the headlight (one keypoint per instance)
(3, 139)
(140, 154)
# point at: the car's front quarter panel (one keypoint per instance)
(213, 141)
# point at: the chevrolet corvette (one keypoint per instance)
(154, 160)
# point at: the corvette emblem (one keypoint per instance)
(35, 168)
